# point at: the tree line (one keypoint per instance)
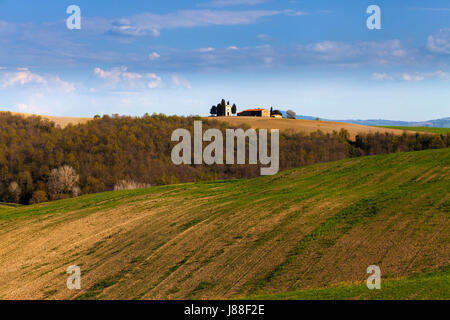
(40, 161)
(219, 110)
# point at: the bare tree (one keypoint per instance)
(63, 180)
(76, 191)
(14, 192)
(290, 114)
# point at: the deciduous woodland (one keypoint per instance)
(40, 161)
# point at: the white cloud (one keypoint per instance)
(155, 81)
(439, 43)
(116, 75)
(66, 86)
(381, 76)
(264, 37)
(440, 74)
(125, 93)
(205, 49)
(420, 76)
(51, 45)
(326, 53)
(6, 27)
(385, 52)
(416, 76)
(229, 3)
(123, 27)
(409, 77)
(149, 24)
(326, 11)
(154, 56)
(181, 82)
(406, 77)
(399, 53)
(293, 13)
(22, 77)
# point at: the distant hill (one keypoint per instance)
(306, 125)
(438, 123)
(423, 129)
(313, 227)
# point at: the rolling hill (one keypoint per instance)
(61, 121)
(306, 126)
(423, 129)
(427, 285)
(315, 227)
(437, 123)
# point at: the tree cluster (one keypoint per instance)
(291, 114)
(40, 161)
(275, 112)
(219, 109)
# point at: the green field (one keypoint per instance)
(5, 206)
(276, 236)
(423, 286)
(420, 129)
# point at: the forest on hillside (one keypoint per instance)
(40, 161)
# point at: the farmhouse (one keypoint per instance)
(255, 113)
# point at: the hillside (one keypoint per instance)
(422, 286)
(114, 152)
(60, 121)
(304, 228)
(307, 126)
(437, 123)
(423, 129)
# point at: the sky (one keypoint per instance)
(316, 57)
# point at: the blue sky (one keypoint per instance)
(180, 57)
